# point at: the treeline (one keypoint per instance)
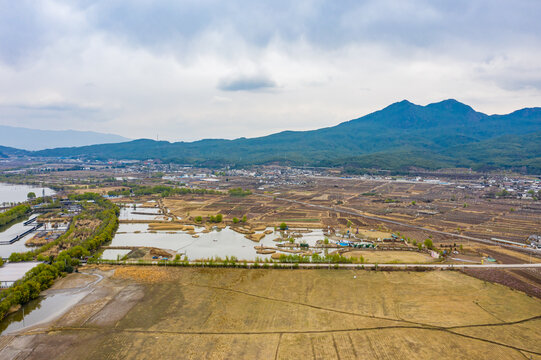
(42, 276)
(163, 190)
(14, 213)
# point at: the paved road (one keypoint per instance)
(346, 266)
(354, 213)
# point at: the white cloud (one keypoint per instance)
(188, 70)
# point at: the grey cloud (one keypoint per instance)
(246, 83)
(56, 114)
(322, 23)
(179, 26)
(510, 72)
(22, 31)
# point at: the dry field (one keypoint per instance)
(171, 313)
(438, 207)
(384, 257)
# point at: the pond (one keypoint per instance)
(17, 193)
(9, 232)
(44, 308)
(217, 243)
(138, 212)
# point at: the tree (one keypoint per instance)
(219, 218)
(31, 195)
(429, 244)
(283, 226)
(198, 219)
(235, 220)
(244, 219)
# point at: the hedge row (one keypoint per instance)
(14, 213)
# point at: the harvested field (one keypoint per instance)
(373, 234)
(203, 313)
(382, 257)
(527, 280)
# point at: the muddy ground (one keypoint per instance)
(208, 313)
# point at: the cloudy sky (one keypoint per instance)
(185, 70)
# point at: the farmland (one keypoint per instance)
(136, 312)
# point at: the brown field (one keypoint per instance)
(437, 207)
(382, 257)
(202, 313)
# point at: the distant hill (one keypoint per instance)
(33, 139)
(6, 152)
(443, 134)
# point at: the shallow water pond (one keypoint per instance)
(217, 243)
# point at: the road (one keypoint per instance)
(341, 266)
(354, 213)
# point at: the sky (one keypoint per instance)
(185, 70)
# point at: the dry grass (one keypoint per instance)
(202, 313)
(255, 237)
(170, 226)
(143, 274)
(381, 257)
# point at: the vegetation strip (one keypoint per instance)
(42, 276)
(14, 213)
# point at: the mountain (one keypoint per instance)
(6, 152)
(34, 139)
(447, 133)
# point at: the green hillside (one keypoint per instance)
(401, 135)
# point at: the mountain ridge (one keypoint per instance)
(37, 139)
(401, 134)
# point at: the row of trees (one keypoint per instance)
(236, 220)
(14, 213)
(42, 276)
(315, 258)
(163, 190)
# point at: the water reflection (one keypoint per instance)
(17, 193)
(40, 310)
(217, 243)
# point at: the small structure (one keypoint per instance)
(535, 241)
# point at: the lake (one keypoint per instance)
(17, 193)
